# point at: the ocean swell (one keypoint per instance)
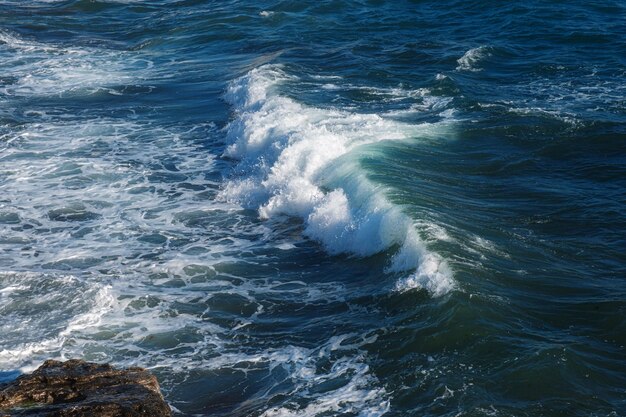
(301, 161)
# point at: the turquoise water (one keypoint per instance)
(334, 208)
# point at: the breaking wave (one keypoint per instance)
(302, 161)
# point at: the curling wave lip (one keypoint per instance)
(302, 161)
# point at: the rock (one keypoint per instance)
(78, 388)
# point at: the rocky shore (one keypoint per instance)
(77, 388)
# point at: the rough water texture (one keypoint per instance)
(344, 208)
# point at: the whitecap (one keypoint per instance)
(471, 59)
(303, 161)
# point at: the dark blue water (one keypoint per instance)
(332, 208)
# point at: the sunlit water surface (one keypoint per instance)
(335, 208)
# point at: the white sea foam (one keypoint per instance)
(302, 161)
(558, 114)
(471, 59)
(359, 394)
(48, 69)
(163, 327)
(574, 97)
(61, 301)
(161, 314)
(49, 172)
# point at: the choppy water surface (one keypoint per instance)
(336, 208)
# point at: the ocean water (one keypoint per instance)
(320, 208)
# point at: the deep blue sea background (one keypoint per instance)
(320, 208)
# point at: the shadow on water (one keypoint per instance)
(8, 376)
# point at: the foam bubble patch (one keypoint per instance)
(46, 69)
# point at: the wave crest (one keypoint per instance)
(472, 58)
(302, 161)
